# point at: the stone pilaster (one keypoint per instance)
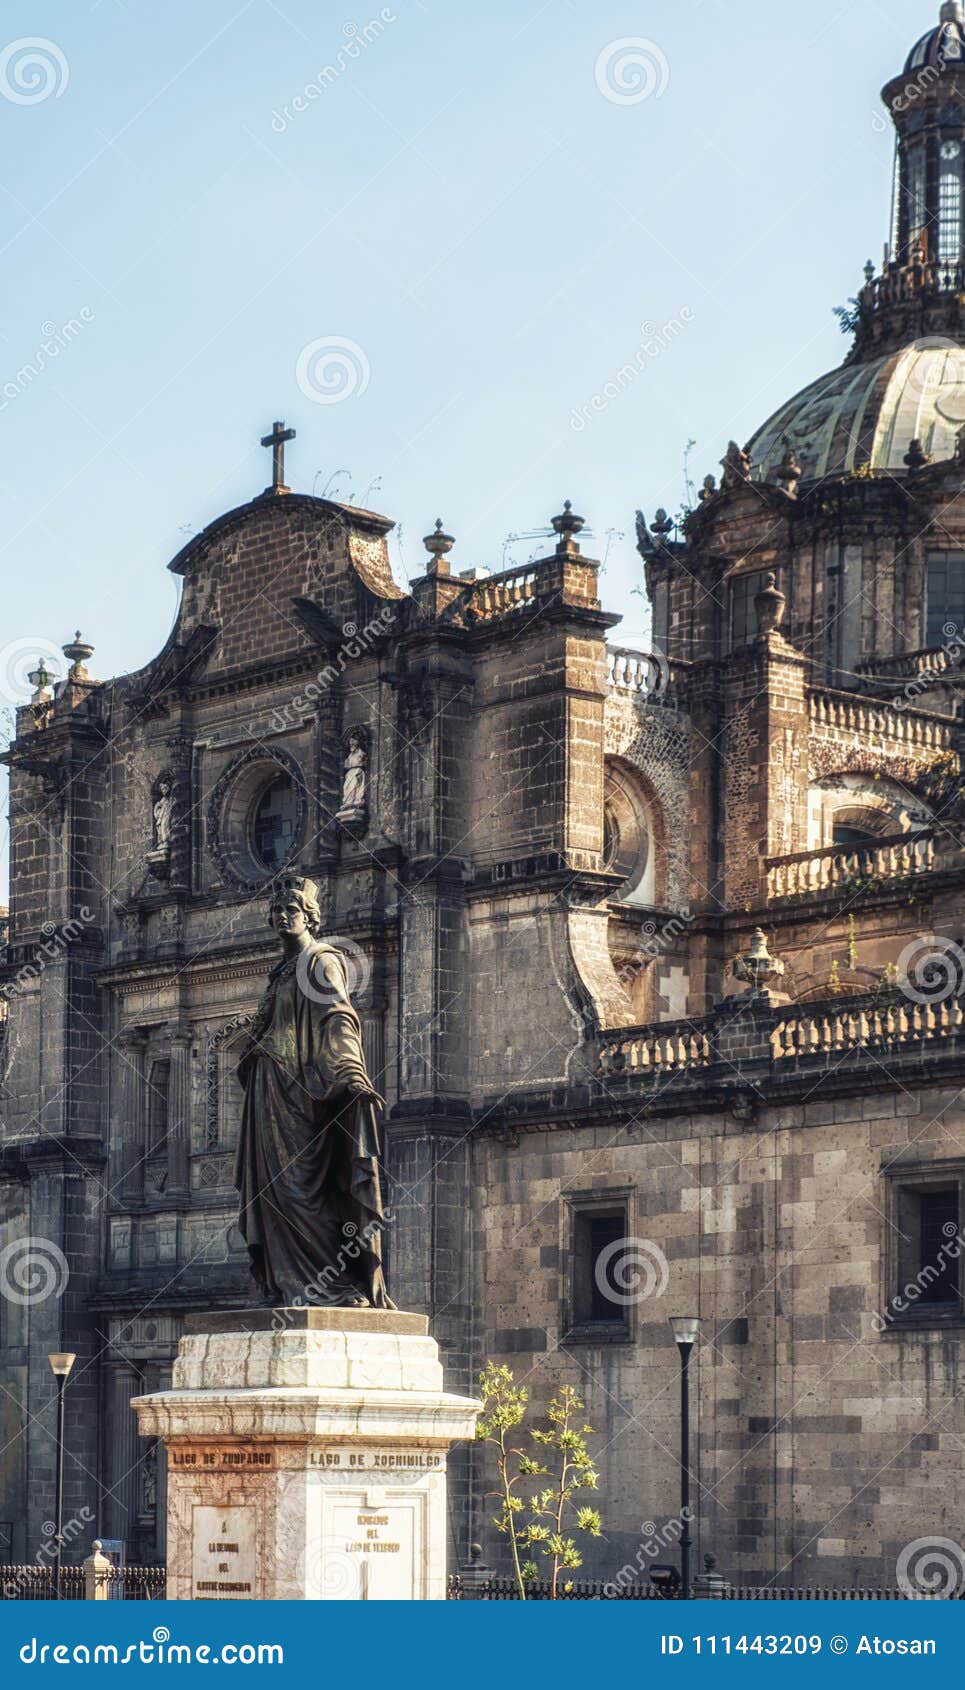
(179, 1113)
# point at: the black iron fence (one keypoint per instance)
(148, 1584)
(503, 1589)
(34, 1583)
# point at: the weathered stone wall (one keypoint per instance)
(819, 1440)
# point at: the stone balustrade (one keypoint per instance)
(656, 1050)
(909, 665)
(755, 1038)
(503, 595)
(849, 713)
(643, 673)
(852, 867)
(863, 1024)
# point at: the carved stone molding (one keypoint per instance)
(218, 1039)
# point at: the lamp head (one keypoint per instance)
(61, 1363)
(685, 1328)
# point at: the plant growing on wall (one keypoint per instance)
(543, 1521)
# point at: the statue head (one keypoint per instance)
(294, 905)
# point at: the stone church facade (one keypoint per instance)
(659, 958)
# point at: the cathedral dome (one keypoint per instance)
(869, 414)
(943, 45)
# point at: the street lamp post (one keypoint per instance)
(686, 1330)
(61, 1363)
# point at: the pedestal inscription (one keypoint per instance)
(223, 1562)
(308, 1462)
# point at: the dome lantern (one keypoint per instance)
(927, 107)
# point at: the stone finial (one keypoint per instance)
(567, 525)
(952, 12)
(77, 652)
(662, 525)
(736, 466)
(438, 544)
(788, 472)
(869, 273)
(916, 457)
(40, 679)
(769, 605)
(756, 966)
(708, 490)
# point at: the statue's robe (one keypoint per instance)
(307, 1166)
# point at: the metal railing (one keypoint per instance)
(33, 1583)
(502, 1588)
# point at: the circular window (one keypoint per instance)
(626, 837)
(273, 823)
(611, 839)
(256, 817)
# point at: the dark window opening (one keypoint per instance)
(946, 600)
(937, 1228)
(273, 825)
(743, 616)
(847, 836)
(929, 1220)
(599, 1297)
(159, 1094)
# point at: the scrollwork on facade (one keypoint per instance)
(216, 1044)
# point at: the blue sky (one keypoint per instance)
(466, 231)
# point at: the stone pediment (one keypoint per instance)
(244, 572)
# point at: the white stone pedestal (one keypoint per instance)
(307, 1456)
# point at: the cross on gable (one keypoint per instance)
(276, 440)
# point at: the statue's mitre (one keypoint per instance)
(294, 883)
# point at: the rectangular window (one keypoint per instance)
(600, 1295)
(743, 616)
(949, 216)
(945, 618)
(916, 203)
(925, 1259)
(159, 1091)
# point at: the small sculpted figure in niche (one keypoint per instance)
(352, 805)
(163, 817)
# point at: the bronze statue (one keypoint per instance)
(307, 1168)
